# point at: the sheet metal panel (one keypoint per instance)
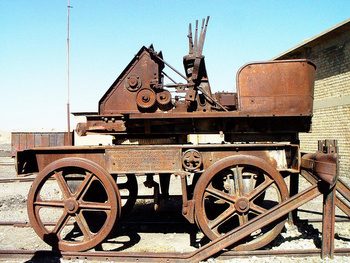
(279, 88)
(27, 140)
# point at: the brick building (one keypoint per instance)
(330, 51)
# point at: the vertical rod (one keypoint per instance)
(293, 190)
(68, 110)
(328, 220)
(195, 38)
(190, 41)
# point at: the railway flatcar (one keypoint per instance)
(226, 187)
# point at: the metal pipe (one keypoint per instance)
(68, 110)
(166, 75)
(170, 66)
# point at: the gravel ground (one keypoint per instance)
(168, 238)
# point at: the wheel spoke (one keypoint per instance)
(237, 173)
(222, 218)
(95, 206)
(84, 185)
(50, 203)
(257, 209)
(62, 184)
(220, 195)
(84, 227)
(261, 188)
(243, 219)
(61, 223)
(131, 186)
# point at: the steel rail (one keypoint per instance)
(338, 218)
(16, 180)
(282, 253)
(159, 257)
(15, 223)
(6, 163)
(137, 223)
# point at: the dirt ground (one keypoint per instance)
(148, 235)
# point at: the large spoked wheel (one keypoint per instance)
(233, 191)
(73, 204)
(128, 189)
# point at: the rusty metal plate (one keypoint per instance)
(121, 98)
(28, 140)
(282, 88)
(146, 160)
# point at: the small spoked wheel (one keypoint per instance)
(235, 190)
(73, 204)
(192, 160)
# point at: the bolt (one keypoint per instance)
(242, 205)
(132, 81)
(145, 98)
(70, 206)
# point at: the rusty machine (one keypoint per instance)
(234, 191)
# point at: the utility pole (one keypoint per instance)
(68, 110)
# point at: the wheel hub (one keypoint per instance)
(71, 206)
(242, 204)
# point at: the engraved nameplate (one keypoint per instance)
(144, 160)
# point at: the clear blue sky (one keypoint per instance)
(105, 35)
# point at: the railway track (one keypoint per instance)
(146, 257)
(17, 180)
(339, 219)
(156, 257)
(126, 223)
(19, 255)
(22, 255)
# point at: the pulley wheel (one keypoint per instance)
(192, 160)
(233, 191)
(73, 204)
(133, 82)
(164, 97)
(146, 98)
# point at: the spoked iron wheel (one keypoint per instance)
(235, 190)
(128, 189)
(73, 204)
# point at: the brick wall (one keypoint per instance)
(330, 123)
(331, 118)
